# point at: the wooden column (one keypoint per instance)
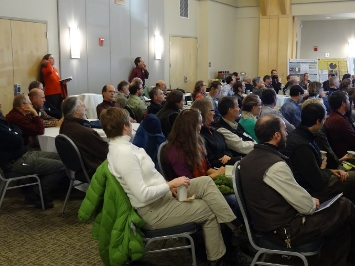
(276, 37)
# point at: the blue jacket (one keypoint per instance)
(292, 112)
(149, 136)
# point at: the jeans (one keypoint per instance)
(233, 204)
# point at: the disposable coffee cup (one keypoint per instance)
(228, 170)
(189, 103)
(247, 91)
(323, 154)
(352, 154)
(182, 193)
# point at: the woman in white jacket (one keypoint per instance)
(152, 197)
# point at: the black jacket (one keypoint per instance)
(11, 145)
(305, 158)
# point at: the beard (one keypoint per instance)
(282, 143)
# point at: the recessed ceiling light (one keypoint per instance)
(327, 17)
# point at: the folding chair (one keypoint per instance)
(183, 231)
(263, 245)
(7, 178)
(71, 158)
(160, 161)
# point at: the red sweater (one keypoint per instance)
(51, 80)
(30, 126)
(340, 133)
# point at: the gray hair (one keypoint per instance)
(69, 106)
(246, 78)
(256, 80)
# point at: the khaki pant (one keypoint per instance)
(209, 208)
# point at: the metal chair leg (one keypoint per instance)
(40, 192)
(67, 196)
(3, 191)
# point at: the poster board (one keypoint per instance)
(337, 66)
(297, 67)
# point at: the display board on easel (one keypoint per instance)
(297, 67)
(337, 66)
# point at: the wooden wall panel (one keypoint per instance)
(273, 45)
(29, 44)
(263, 46)
(6, 67)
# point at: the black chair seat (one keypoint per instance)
(179, 229)
(308, 247)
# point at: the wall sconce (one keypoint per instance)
(74, 42)
(158, 46)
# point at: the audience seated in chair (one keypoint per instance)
(47, 107)
(227, 89)
(157, 98)
(234, 134)
(250, 111)
(218, 153)
(108, 96)
(268, 99)
(27, 119)
(174, 103)
(152, 196)
(259, 86)
(338, 126)
(92, 147)
(291, 109)
(199, 91)
(280, 215)
(122, 93)
(38, 99)
(161, 84)
(149, 136)
(14, 157)
(215, 89)
(309, 168)
(134, 101)
(116, 222)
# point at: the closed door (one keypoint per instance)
(21, 50)
(183, 63)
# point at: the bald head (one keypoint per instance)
(37, 97)
(267, 126)
(162, 85)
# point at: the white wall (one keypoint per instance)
(223, 42)
(174, 25)
(128, 32)
(330, 36)
(37, 10)
(247, 32)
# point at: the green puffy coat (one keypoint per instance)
(116, 225)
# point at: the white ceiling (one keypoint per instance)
(331, 17)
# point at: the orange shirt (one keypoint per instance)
(51, 80)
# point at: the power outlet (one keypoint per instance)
(17, 89)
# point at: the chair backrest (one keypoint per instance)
(130, 111)
(161, 154)
(70, 155)
(238, 190)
